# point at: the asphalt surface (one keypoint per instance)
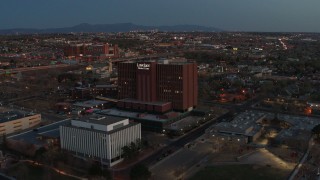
(196, 133)
(191, 136)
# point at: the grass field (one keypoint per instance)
(240, 172)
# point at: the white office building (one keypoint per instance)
(99, 137)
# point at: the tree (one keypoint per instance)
(316, 131)
(145, 144)
(4, 141)
(306, 87)
(133, 147)
(267, 88)
(39, 154)
(237, 84)
(131, 150)
(95, 170)
(23, 171)
(53, 155)
(127, 152)
(140, 172)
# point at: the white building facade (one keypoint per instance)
(100, 138)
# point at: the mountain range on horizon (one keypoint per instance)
(108, 28)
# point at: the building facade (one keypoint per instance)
(99, 137)
(155, 82)
(13, 121)
(95, 51)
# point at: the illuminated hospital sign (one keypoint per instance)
(143, 66)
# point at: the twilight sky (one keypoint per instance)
(243, 15)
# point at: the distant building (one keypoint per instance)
(99, 137)
(16, 121)
(87, 107)
(92, 51)
(158, 86)
(80, 93)
(107, 90)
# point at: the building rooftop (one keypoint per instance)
(90, 103)
(100, 119)
(184, 122)
(245, 123)
(13, 115)
(106, 86)
(144, 102)
(164, 61)
(297, 122)
(105, 132)
(32, 136)
(133, 115)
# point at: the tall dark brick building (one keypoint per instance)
(158, 86)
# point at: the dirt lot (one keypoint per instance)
(236, 172)
(37, 104)
(310, 169)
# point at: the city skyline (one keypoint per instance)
(231, 15)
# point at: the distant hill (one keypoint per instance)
(120, 27)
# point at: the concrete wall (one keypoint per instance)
(19, 124)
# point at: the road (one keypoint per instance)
(173, 146)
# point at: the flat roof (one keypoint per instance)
(293, 134)
(297, 122)
(106, 86)
(100, 119)
(55, 133)
(105, 132)
(89, 104)
(164, 61)
(183, 122)
(143, 102)
(32, 135)
(132, 115)
(241, 123)
(7, 116)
